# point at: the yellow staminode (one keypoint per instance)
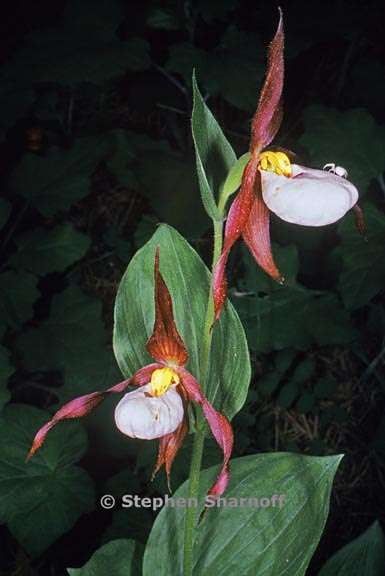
(276, 162)
(162, 379)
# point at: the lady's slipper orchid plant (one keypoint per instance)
(158, 408)
(270, 182)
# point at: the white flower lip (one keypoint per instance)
(309, 197)
(148, 417)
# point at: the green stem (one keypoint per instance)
(197, 452)
(207, 334)
(190, 519)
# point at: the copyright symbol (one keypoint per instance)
(107, 501)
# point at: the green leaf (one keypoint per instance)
(56, 180)
(234, 69)
(18, 293)
(239, 68)
(215, 10)
(363, 88)
(268, 383)
(72, 339)
(5, 209)
(44, 251)
(43, 499)
(6, 369)
(303, 371)
(293, 317)
(287, 395)
(277, 317)
(163, 19)
(283, 360)
(169, 183)
(180, 469)
(144, 230)
(53, 55)
(122, 153)
(234, 177)
(364, 556)
(124, 482)
(363, 273)
(214, 154)
(351, 139)
(188, 281)
(133, 523)
(121, 246)
(246, 539)
(325, 388)
(257, 281)
(185, 57)
(305, 403)
(116, 558)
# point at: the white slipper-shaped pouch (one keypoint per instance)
(308, 197)
(140, 415)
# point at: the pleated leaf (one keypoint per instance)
(263, 535)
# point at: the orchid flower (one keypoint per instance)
(270, 182)
(158, 408)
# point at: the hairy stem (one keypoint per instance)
(197, 452)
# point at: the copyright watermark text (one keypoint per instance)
(107, 501)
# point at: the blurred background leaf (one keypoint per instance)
(19, 292)
(363, 273)
(278, 316)
(43, 251)
(363, 556)
(119, 557)
(351, 139)
(42, 500)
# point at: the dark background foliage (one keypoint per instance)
(96, 149)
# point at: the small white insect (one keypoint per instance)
(338, 170)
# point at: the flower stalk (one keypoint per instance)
(199, 439)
